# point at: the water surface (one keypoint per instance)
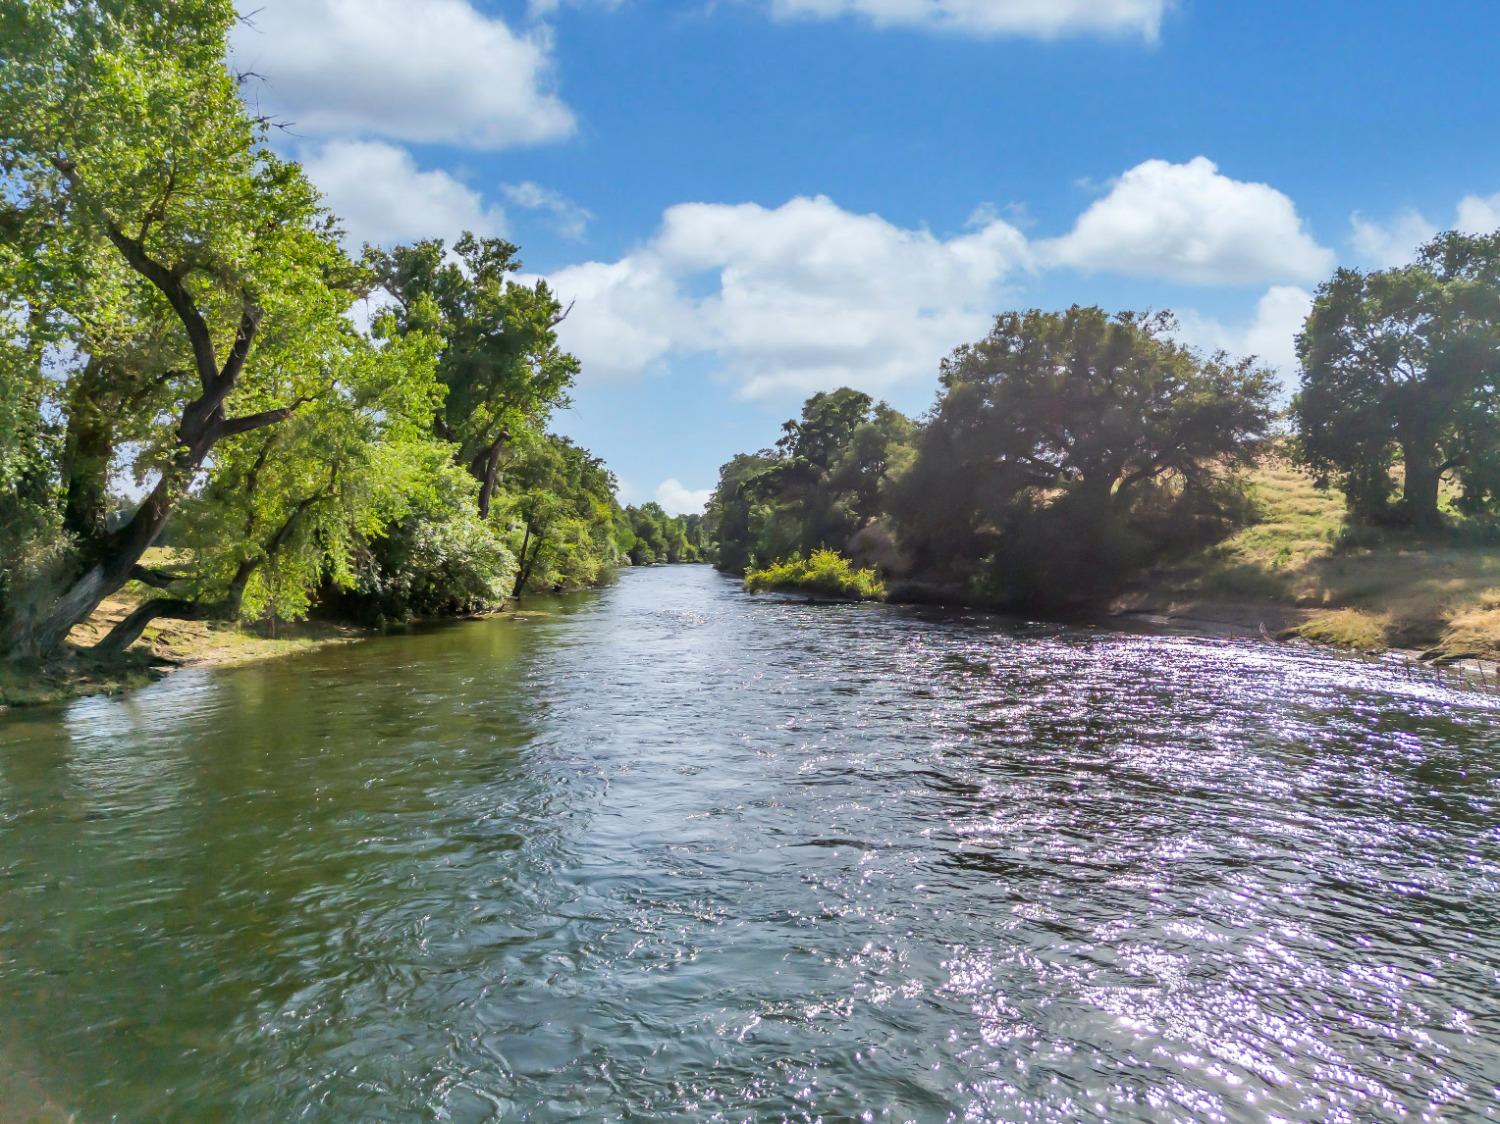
(672, 852)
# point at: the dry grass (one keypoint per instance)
(1297, 568)
(164, 646)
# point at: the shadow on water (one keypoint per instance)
(666, 850)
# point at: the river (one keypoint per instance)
(668, 851)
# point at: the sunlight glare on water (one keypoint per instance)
(672, 851)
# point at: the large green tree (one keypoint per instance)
(195, 275)
(825, 479)
(561, 510)
(1401, 366)
(500, 361)
(1057, 427)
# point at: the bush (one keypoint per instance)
(826, 572)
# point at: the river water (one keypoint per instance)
(666, 851)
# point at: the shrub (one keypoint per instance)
(826, 572)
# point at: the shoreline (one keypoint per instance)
(183, 645)
(1230, 621)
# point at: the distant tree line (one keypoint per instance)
(648, 536)
(1068, 452)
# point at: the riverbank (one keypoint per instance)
(164, 647)
(171, 645)
(1298, 572)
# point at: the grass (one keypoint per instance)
(1301, 566)
(825, 573)
(163, 646)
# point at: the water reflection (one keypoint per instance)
(670, 851)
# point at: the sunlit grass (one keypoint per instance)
(1369, 590)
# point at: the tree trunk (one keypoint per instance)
(118, 555)
(485, 467)
(527, 565)
(124, 634)
(1419, 491)
(521, 564)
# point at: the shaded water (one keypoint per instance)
(673, 852)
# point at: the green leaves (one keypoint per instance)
(1403, 365)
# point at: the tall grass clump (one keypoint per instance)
(825, 572)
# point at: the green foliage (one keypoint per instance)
(173, 309)
(825, 572)
(560, 513)
(1402, 368)
(500, 363)
(825, 480)
(438, 559)
(652, 536)
(1069, 450)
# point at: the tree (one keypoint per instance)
(154, 202)
(296, 505)
(501, 363)
(561, 510)
(824, 481)
(1079, 416)
(1403, 364)
(737, 510)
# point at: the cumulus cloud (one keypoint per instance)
(1270, 334)
(567, 217)
(801, 297)
(1388, 243)
(1046, 19)
(1478, 214)
(627, 317)
(1191, 223)
(677, 499)
(384, 198)
(438, 71)
(1392, 243)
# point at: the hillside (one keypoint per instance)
(1299, 571)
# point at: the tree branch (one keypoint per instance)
(232, 426)
(249, 320)
(128, 630)
(156, 579)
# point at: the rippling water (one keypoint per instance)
(672, 852)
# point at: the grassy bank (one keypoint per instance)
(165, 646)
(1300, 571)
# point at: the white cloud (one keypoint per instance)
(677, 499)
(383, 197)
(568, 218)
(1047, 19)
(435, 71)
(1270, 335)
(1191, 223)
(801, 297)
(627, 317)
(1394, 242)
(1388, 244)
(1478, 214)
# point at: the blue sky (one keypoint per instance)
(750, 200)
